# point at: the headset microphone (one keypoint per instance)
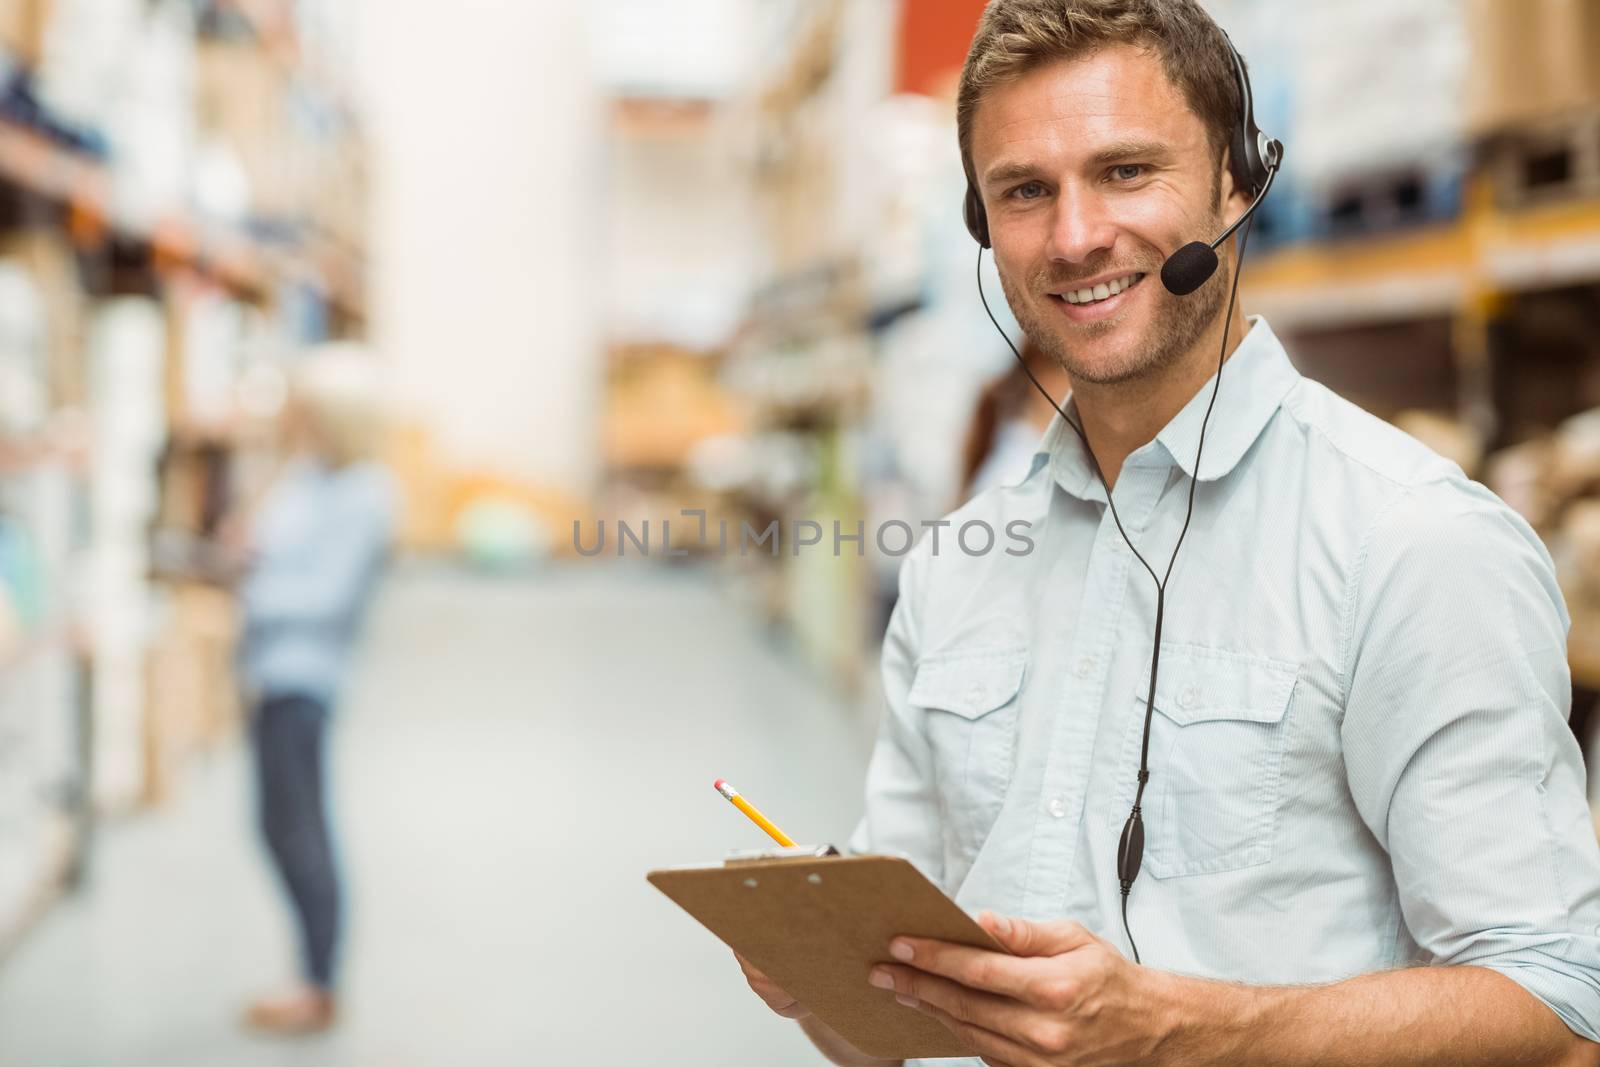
(1191, 266)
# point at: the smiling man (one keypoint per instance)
(1366, 834)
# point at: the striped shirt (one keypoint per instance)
(1359, 758)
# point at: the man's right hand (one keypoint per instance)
(775, 998)
(829, 1043)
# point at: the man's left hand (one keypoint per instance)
(1064, 996)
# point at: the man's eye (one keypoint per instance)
(1028, 191)
(1129, 171)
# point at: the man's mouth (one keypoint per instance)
(1103, 291)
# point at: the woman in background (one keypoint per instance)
(316, 545)
(1007, 423)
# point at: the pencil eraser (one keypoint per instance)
(718, 784)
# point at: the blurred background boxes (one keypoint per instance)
(22, 29)
(244, 104)
(182, 206)
(191, 694)
(1531, 60)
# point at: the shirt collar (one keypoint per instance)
(1259, 377)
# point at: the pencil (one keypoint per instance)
(755, 815)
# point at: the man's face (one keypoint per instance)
(1092, 172)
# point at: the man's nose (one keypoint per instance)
(1080, 226)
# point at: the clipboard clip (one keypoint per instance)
(739, 857)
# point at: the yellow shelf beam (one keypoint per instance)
(1432, 272)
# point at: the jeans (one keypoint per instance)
(289, 733)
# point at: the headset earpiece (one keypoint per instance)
(977, 218)
(1253, 153)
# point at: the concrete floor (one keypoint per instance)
(515, 755)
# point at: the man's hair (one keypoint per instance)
(1016, 36)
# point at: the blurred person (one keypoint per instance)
(1338, 753)
(1007, 421)
(316, 545)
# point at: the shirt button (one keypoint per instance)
(1187, 696)
(1085, 667)
(1057, 807)
(975, 693)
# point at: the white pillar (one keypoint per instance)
(485, 236)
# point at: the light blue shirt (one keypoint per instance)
(1359, 760)
(319, 543)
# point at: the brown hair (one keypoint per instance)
(1016, 36)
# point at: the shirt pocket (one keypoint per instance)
(969, 700)
(1216, 760)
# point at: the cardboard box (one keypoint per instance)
(1571, 52)
(1531, 59)
(46, 255)
(243, 97)
(192, 697)
(659, 407)
(22, 28)
(340, 177)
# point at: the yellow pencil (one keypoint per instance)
(755, 816)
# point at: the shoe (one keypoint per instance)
(305, 1010)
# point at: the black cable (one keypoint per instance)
(1135, 816)
(1126, 930)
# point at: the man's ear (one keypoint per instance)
(1228, 189)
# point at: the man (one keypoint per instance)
(1359, 760)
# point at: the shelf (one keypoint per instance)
(33, 162)
(648, 116)
(1426, 273)
(1416, 275)
(1543, 247)
(40, 449)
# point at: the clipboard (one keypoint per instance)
(815, 922)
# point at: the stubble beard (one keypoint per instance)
(1178, 322)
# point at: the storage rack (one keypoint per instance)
(55, 722)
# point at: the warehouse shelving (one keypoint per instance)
(284, 262)
(804, 358)
(1435, 271)
(30, 161)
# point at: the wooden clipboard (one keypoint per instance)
(815, 924)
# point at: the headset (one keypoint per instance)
(1255, 160)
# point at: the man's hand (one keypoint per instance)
(776, 999)
(1067, 997)
(828, 1042)
(1064, 997)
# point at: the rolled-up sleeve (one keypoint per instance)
(1457, 749)
(901, 813)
